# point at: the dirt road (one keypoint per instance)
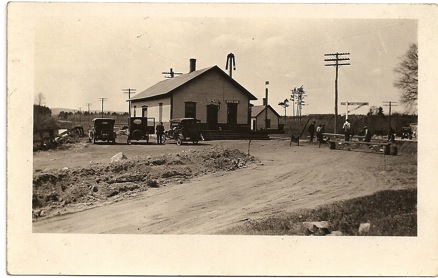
(286, 179)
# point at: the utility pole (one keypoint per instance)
(80, 115)
(266, 105)
(172, 74)
(390, 104)
(337, 65)
(232, 60)
(102, 99)
(88, 105)
(129, 91)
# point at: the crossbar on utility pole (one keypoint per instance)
(337, 65)
(129, 91)
(102, 99)
(390, 104)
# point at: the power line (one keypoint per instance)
(102, 99)
(390, 104)
(314, 42)
(88, 105)
(336, 64)
(129, 91)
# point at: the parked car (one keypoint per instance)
(139, 129)
(184, 129)
(406, 132)
(103, 130)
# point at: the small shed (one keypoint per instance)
(263, 118)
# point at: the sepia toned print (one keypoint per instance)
(226, 131)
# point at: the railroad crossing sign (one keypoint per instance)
(359, 104)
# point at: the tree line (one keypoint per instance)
(68, 115)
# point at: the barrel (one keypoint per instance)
(393, 149)
(386, 150)
(332, 145)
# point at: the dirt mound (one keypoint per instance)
(55, 190)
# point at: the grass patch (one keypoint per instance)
(390, 213)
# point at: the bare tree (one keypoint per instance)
(407, 80)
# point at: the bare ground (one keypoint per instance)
(281, 179)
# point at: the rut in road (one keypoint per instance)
(218, 201)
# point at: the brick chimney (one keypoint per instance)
(192, 65)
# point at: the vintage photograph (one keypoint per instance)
(155, 120)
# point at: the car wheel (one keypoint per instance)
(179, 140)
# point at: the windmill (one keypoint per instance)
(232, 61)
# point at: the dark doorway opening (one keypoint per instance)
(232, 114)
(212, 116)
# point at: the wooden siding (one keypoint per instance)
(208, 89)
(154, 109)
(260, 120)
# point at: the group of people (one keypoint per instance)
(347, 128)
(319, 130)
(348, 132)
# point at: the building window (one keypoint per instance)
(144, 111)
(190, 109)
(268, 123)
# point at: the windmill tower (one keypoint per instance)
(232, 63)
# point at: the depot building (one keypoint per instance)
(209, 95)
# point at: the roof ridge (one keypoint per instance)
(165, 87)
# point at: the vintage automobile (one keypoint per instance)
(139, 129)
(103, 130)
(184, 129)
(406, 132)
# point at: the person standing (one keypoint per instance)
(320, 130)
(347, 129)
(311, 130)
(319, 133)
(367, 134)
(160, 133)
(391, 135)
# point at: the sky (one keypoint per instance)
(81, 58)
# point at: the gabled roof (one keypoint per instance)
(258, 109)
(168, 86)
